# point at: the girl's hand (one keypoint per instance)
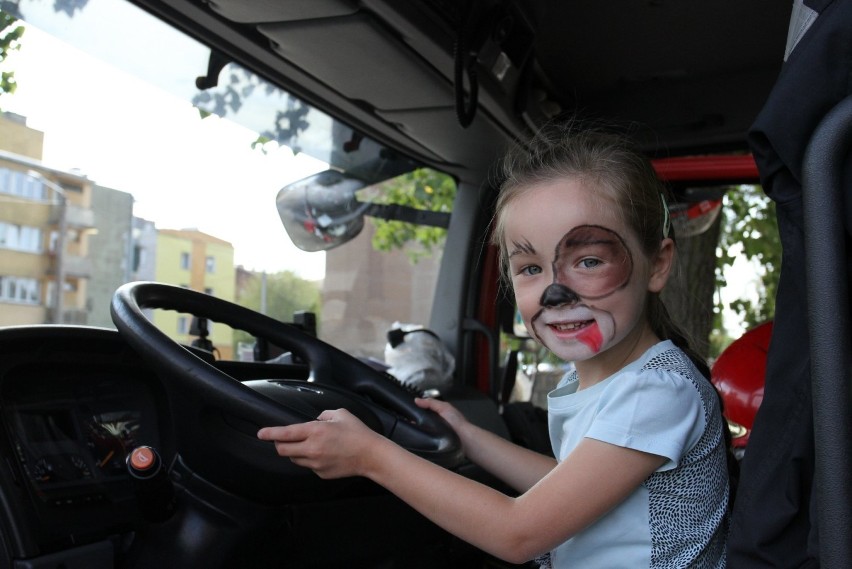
(449, 413)
(336, 445)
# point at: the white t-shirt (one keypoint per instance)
(662, 405)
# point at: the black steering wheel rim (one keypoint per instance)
(420, 431)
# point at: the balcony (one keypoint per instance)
(76, 217)
(80, 218)
(75, 266)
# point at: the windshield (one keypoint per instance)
(169, 168)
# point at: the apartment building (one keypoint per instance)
(46, 221)
(61, 226)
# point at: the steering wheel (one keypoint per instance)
(216, 417)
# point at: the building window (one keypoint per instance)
(22, 185)
(210, 264)
(184, 261)
(208, 290)
(19, 289)
(183, 325)
(20, 237)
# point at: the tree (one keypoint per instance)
(11, 33)
(286, 293)
(751, 230)
(422, 189)
(10, 40)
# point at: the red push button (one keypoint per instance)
(142, 458)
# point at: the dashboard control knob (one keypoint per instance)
(154, 489)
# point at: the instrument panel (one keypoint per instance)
(71, 431)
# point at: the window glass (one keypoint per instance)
(216, 159)
(19, 289)
(20, 237)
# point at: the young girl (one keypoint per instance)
(640, 478)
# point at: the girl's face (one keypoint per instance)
(579, 275)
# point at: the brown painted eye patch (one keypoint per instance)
(592, 261)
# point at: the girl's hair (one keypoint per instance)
(608, 162)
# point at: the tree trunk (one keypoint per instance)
(689, 295)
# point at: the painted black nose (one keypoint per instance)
(557, 295)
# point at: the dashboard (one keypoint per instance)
(72, 431)
(74, 402)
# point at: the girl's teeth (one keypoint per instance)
(572, 326)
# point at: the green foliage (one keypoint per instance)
(10, 40)
(422, 189)
(749, 229)
(286, 293)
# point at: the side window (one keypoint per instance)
(184, 261)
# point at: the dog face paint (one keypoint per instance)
(590, 263)
(578, 284)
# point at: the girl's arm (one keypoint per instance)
(591, 481)
(515, 465)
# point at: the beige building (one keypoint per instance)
(45, 224)
(201, 262)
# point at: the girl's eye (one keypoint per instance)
(530, 270)
(589, 263)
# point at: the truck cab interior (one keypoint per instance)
(374, 90)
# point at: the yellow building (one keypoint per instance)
(200, 262)
(45, 222)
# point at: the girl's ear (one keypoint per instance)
(661, 266)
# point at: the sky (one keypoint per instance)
(183, 172)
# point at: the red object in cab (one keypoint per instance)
(739, 374)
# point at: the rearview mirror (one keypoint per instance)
(321, 211)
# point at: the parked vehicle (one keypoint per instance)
(374, 92)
